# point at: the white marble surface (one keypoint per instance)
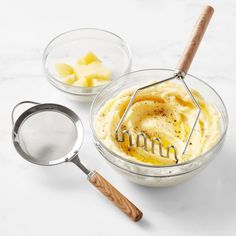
(58, 200)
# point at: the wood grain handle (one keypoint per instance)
(115, 196)
(196, 37)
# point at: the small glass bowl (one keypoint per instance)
(150, 175)
(69, 46)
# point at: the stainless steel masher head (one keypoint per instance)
(50, 134)
(180, 72)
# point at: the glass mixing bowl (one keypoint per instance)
(150, 175)
(69, 46)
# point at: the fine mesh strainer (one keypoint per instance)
(50, 134)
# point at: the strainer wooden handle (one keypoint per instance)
(196, 37)
(115, 196)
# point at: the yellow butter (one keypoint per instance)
(64, 70)
(71, 79)
(97, 82)
(89, 58)
(84, 71)
(95, 70)
(88, 71)
(102, 73)
(83, 82)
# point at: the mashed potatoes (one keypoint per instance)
(164, 111)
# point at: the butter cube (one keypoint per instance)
(64, 70)
(89, 58)
(102, 73)
(84, 71)
(83, 82)
(88, 71)
(71, 79)
(96, 82)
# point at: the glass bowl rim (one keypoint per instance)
(53, 78)
(200, 157)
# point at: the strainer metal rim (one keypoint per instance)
(52, 107)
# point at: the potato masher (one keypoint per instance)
(50, 134)
(180, 72)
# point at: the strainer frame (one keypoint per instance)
(40, 108)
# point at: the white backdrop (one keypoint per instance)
(58, 200)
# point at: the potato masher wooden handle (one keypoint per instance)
(196, 37)
(115, 196)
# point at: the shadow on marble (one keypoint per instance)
(207, 199)
(65, 176)
(144, 223)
